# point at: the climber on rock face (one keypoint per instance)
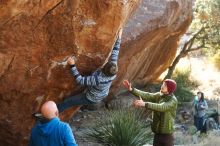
(51, 131)
(97, 85)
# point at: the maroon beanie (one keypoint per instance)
(171, 85)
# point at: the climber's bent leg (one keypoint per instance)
(79, 99)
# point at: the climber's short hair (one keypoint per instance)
(110, 69)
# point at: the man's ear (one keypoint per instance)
(57, 113)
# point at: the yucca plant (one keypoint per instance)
(121, 127)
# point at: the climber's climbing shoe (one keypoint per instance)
(38, 116)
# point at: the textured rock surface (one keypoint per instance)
(36, 36)
(150, 39)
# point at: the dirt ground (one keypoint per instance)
(80, 123)
(82, 120)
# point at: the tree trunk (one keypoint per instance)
(187, 47)
(172, 67)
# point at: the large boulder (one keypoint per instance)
(150, 39)
(37, 36)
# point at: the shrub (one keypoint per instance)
(185, 85)
(121, 127)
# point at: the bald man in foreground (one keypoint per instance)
(51, 131)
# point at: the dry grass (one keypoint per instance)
(212, 139)
(216, 60)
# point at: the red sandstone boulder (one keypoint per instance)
(150, 39)
(37, 36)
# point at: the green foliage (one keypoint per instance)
(207, 16)
(192, 130)
(185, 85)
(121, 127)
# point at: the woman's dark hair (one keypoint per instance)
(202, 95)
(110, 69)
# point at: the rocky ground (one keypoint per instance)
(87, 117)
(83, 119)
(80, 123)
(209, 84)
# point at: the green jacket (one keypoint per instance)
(164, 110)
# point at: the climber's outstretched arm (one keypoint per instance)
(115, 52)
